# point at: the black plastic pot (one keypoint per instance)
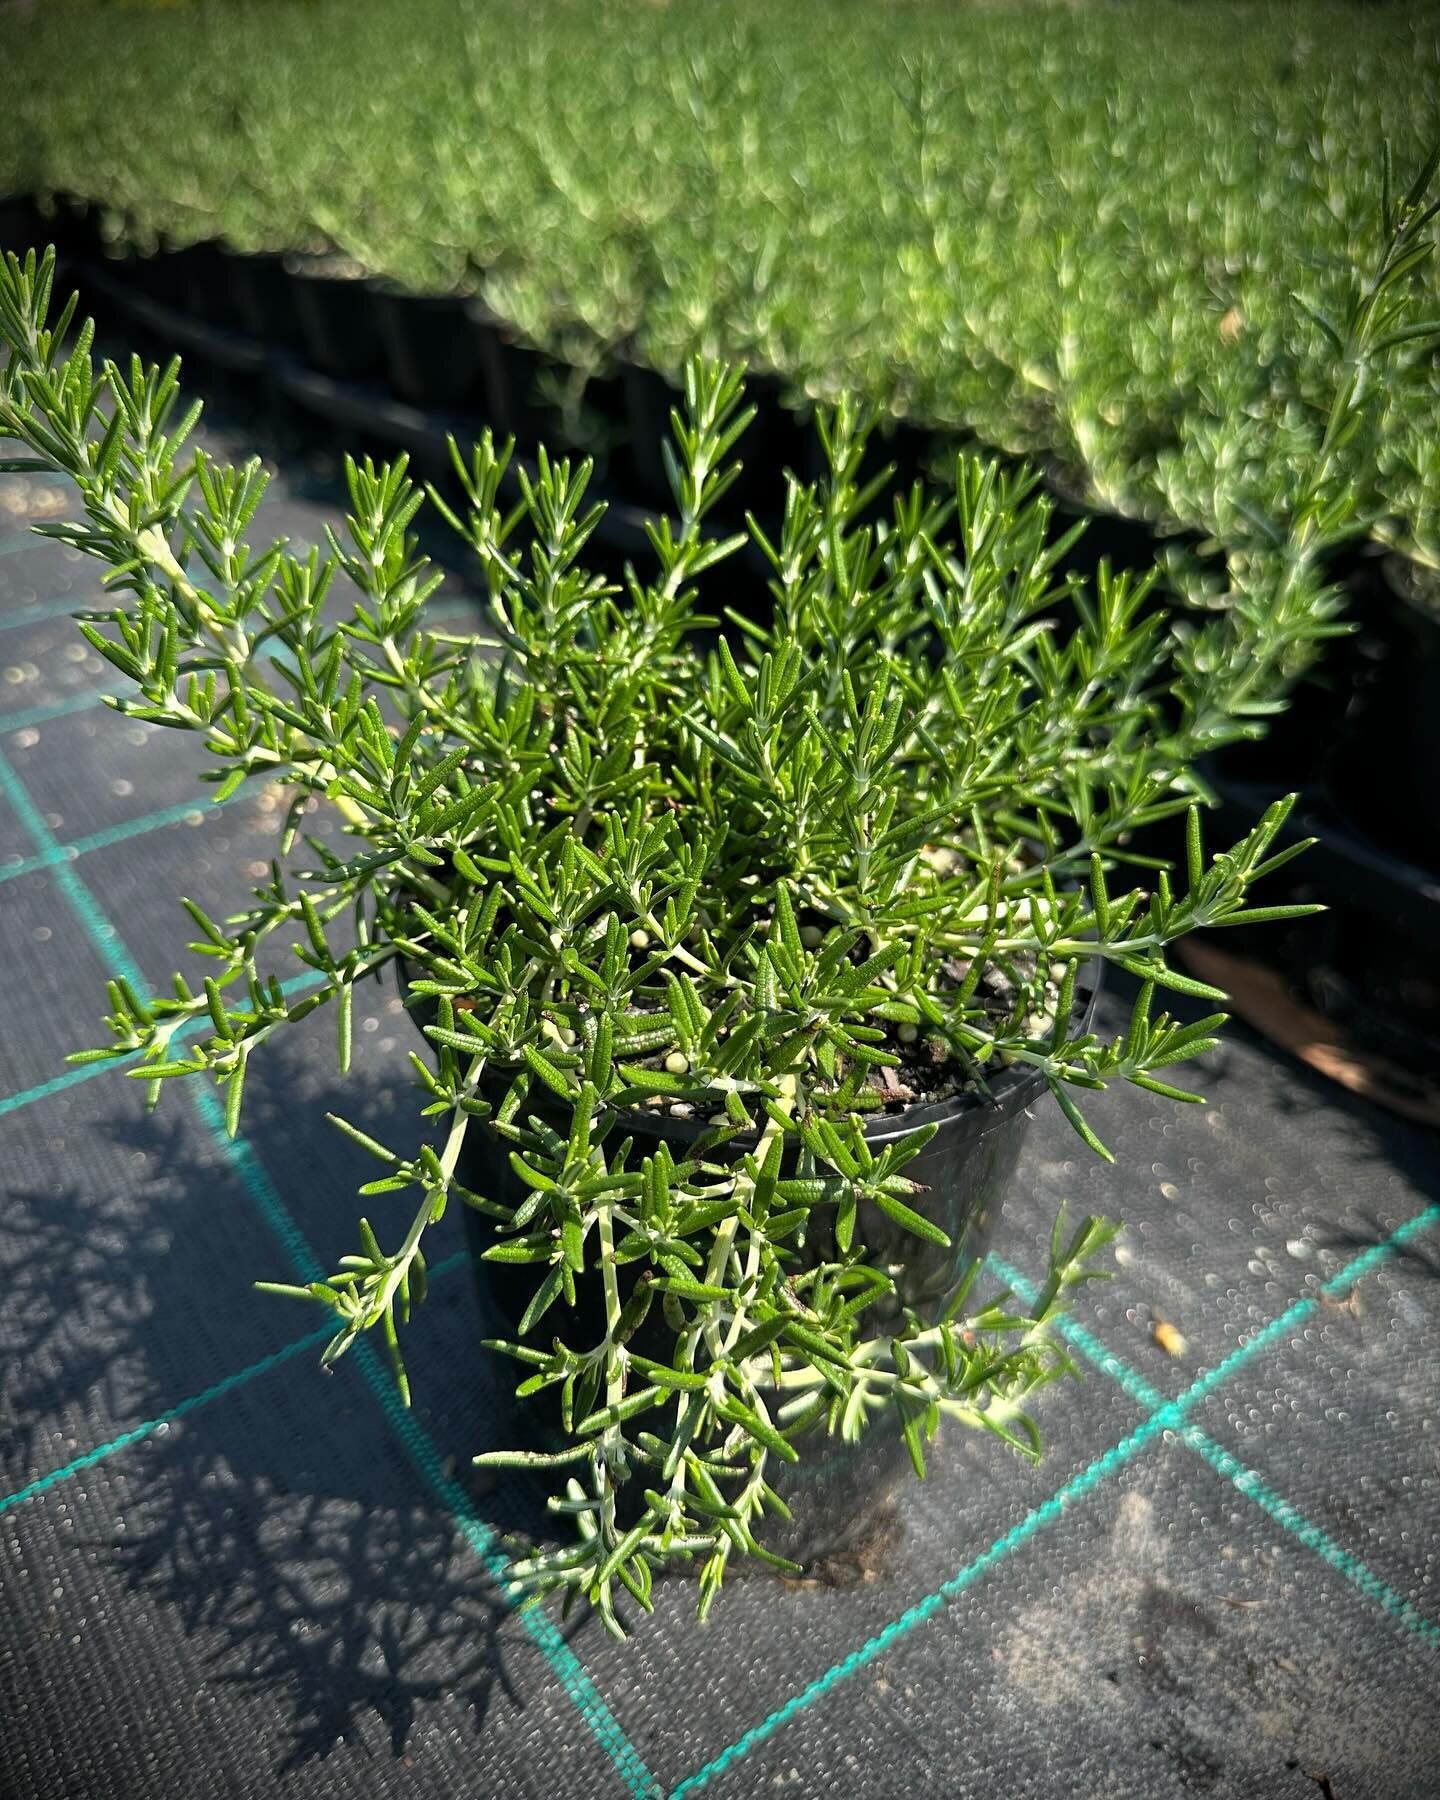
(434, 356)
(837, 1491)
(777, 441)
(649, 399)
(194, 280)
(264, 300)
(1383, 768)
(780, 441)
(72, 224)
(914, 451)
(339, 328)
(156, 275)
(22, 226)
(514, 374)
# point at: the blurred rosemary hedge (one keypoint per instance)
(1074, 230)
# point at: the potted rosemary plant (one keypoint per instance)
(739, 948)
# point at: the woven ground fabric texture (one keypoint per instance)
(223, 1572)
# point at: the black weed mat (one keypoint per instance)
(226, 1573)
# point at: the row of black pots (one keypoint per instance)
(1360, 741)
(279, 391)
(1367, 962)
(450, 358)
(442, 354)
(1367, 734)
(446, 354)
(1362, 729)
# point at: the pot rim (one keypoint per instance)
(1011, 1090)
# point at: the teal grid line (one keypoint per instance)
(57, 1084)
(1034, 1521)
(194, 1402)
(1134, 1384)
(419, 1447)
(1170, 1416)
(57, 709)
(82, 902)
(118, 834)
(148, 1427)
(1343, 1561)
(1247, 1481)
(297, 984)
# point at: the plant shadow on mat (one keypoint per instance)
(322, 1577)
(1361, 1134)
(296, 1569)
(328, 1607)
(1420, 1256)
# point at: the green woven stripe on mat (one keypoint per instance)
(1171, 1416)
(625, 1759)
(1247, 1481)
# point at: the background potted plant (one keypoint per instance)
(739, 956)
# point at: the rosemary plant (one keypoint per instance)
(776, 880)
(1278, 603)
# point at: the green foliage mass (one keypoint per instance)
(623, 863)
(1073, 230)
